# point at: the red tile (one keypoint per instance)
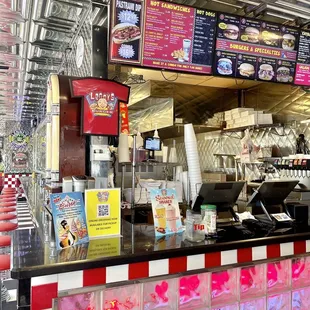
(273, 251)
(95, 276)
(244, 255)
(300, 247)
(138, 270)
(42, 296)
(177, 264)
(213, 260)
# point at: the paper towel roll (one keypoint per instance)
(123, 149)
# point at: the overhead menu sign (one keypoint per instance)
(162, 35)
(302, 76)
(255, 50)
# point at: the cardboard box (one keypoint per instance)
(213, 177)
(240, 110)
(259, 119)
(247, 113)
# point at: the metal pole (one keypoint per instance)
(133, 183)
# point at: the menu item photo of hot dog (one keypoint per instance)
(125, 32)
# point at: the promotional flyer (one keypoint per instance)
(100, 104)
(103, 212)
(69, 219)
(166, 212)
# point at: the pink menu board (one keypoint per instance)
(162, 35)
(302, 76)
(255, 50)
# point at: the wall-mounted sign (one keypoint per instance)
(124, 118)
(302, 76)
(19, 140)
(103, 212)
(100, 104)
(255, 50)
(20, 160)
(162, 35)
(69, 219)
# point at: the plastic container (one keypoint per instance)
(209, 216)
(194, 227)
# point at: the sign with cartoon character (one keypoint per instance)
(69, 219)
(103, 212)
(100, 104)
(19, 140)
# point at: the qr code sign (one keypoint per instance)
(103, 210)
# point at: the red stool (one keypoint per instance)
(7, 217)
(7, 204)
(7, 227)
(7, 210)
(5, 266)
(5, 244)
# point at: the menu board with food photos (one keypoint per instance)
(302, 76)
(162, 35)
(255, 50)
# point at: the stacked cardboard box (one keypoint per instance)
(242, 117)
(216, 120)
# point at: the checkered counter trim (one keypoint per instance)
(50, 286)
(11, 180)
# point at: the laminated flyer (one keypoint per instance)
(166, 212)
(69, 219)
(103, 212)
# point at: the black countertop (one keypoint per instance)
(32, 257)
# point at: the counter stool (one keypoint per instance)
(5, 244)
(7, 227)
(7, 210)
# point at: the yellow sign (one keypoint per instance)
(103, 212)
(104, 247)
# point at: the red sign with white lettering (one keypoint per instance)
(100, 104)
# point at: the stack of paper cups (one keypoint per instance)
(123, 149)
(194, 172)
(184, 176)
(178, 173)
(173, 154)
(165, 154)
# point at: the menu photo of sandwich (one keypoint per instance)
(125, 32)
(250, 35)
(225, 63)
(285, 71)
(270, 38)
(266, 72)
(246, 70)
(230, 31)
(288, 42)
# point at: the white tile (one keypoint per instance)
(195, 262)
(307, 246)
(158, 267)
(70, 280)
(44, 280)
(259, 252)
(287, 249)
(229, 257)
(117, 273)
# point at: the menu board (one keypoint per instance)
(302, 76)
(255, 50)
(163, 35)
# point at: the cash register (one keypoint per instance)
(224, 195)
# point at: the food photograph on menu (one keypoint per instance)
(255, 50)
(126, 32)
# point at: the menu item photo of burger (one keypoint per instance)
(288, 42)
(246, 69)
(270, 38)
(125, 32)
(224, 66)
(250, 35)
(265, 72)
(231, 32)
(283, 75)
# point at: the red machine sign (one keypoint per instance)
(100, 104)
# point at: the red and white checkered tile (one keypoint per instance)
(50, 286)
(11, 180)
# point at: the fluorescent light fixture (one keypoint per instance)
(285, 17)
(306, 121)
(293, 6)
(229, 4)
(101, 22)
(250, 2)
